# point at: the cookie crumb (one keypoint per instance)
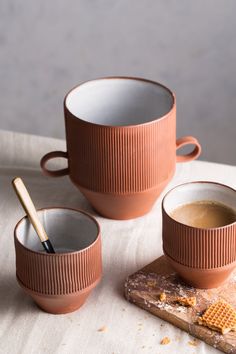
(151, 283)
(162, 297)
(193, 343)
(102, 329)
(165, 340)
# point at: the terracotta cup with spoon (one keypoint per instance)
(59, 278)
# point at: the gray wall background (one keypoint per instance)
(47, 47)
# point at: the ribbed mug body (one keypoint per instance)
(58, 274)
(197, 247)
(58, 282)
(121, 170)
(204, 257)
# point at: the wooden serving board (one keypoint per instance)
(144, 287)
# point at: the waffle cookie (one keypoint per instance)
(220, 317)
(187, 301)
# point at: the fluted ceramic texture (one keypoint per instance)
(199, 248)
(121, 160)
(58, 274)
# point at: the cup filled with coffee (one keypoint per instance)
(121, 144)
(199, 232)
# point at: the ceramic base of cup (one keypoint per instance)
(59, 304)
(123, 206)
(202, 278)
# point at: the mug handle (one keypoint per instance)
(188, 140)
(52, 155)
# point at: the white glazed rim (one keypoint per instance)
(142, 80)
(59, 254)
(204, 190)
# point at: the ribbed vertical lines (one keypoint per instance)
(199, 248)
(121, 159)
(59, 273)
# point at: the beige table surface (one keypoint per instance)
(127, 246)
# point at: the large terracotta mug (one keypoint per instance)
(121, 144)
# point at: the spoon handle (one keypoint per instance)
(30, 210)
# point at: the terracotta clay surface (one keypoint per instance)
(197, 247)
(113, 164)
(59, 304)
(144, 287)
(201, 277)
(123, 206)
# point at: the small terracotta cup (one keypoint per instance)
(121, 144)
(203, 257)
(61, 282)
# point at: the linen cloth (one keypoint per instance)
(127, 246)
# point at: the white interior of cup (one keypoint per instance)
(68, 230)
(199, 191)
(119, 101)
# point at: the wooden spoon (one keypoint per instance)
(30, 210)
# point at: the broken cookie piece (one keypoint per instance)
(184, 301)
(220, 317)
(187, 301)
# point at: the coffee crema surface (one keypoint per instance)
(204, 214)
